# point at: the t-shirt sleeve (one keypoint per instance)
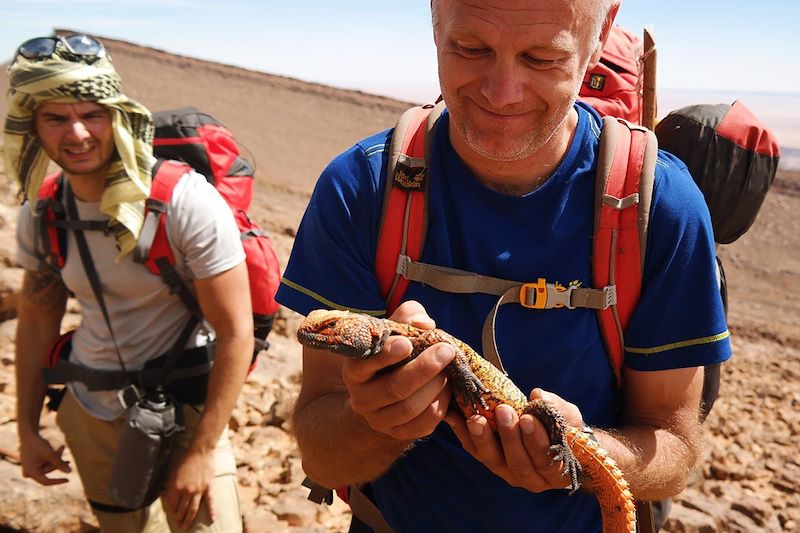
(679, 321)
(332, 261)
(29, 252)
(201, 227)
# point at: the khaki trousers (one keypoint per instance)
(93, 444)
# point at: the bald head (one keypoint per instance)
(598, 13)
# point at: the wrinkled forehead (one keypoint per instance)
(518, 16)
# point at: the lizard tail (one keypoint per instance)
(606, 481)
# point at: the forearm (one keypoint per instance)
(337, 445)
(41, 308)
(31, 349)
(657, 462)
(225, 382)
(225, 303)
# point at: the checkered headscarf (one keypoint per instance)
(64, 78)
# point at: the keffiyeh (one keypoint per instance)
(65, 78)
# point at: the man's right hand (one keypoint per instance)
(38, 459)
(409, 401)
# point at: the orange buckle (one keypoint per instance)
(533, 295)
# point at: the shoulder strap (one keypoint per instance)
(91, 273)
(152, 241)
(404, 217)
(624, 188)
(48, 210)
(152, 248)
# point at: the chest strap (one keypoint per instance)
(533, 295)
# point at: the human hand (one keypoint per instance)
(520, 450)
(406, 401)
(38, 458)
(189, 485)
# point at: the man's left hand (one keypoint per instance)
(519, 451)
(189, 485)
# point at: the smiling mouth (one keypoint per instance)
(77, 152)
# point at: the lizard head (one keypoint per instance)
(343, 332)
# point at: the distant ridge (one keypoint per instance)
(293, 128)
(790, 158)
(243, 72)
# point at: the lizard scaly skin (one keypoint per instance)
(479, 387)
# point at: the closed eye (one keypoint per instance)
(471, 52)
(539, 62)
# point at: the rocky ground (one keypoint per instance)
(748, 481)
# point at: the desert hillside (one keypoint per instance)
(749, 479)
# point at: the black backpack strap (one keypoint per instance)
(91, 271)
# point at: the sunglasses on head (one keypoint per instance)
(82, 46)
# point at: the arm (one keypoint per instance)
(41, 307)
(659, 441)
(225, 302)
(656, 447)
(352, 422)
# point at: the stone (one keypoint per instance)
(293, 506)
(28, 506)
(685, 520)
(10, 286)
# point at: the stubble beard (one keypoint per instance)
(486, 145)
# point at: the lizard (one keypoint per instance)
(478, 388)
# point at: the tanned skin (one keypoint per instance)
(506, 68)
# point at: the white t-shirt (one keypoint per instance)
(146, 318)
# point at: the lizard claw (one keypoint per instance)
(468, 388)
(572, 468)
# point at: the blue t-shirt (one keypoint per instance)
(679, 321)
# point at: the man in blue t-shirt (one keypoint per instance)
(511, 195)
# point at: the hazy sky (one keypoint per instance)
(385, 46)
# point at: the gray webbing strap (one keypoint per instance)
(367, 511)
(146, 236)
(536, 295)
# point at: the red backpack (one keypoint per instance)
(615, 86)
(198, 141)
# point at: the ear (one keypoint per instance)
(604, 33)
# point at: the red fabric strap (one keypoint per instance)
(617, 252)
(164, 181)
(390, 240)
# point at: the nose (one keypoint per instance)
(503, 84)
(78, 131)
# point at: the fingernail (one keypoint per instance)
(526, 425)
(399, 347)
(423, 321)
(502, 416)
(444, 354)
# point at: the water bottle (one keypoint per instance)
(145, 445)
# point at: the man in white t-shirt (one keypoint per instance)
(65, 106)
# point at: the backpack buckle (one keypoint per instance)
(543, 295)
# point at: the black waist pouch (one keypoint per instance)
(189, 390)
